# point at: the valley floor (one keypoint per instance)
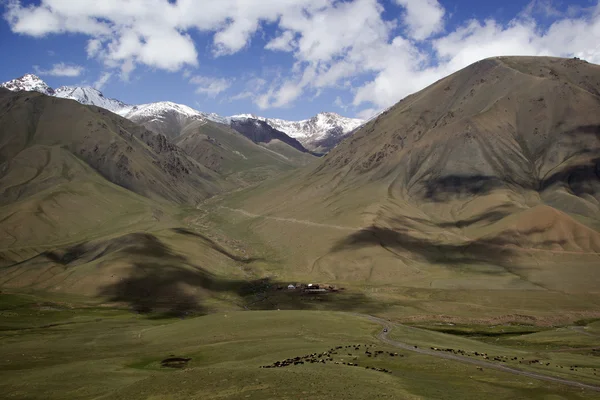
(99, 353)
(197, 306)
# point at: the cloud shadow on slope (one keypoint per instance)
(499, 251)
(400, 241)
(163, 283)
(215, 246)
(580, 179)
(459, 186)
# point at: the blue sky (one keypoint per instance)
(286, 59)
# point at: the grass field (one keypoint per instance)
(107, 353)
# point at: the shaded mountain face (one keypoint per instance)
(121, 151)
(165, 117)
(493, 170)
(235, 156)
(261, 160)
(260, 132)
(529, 124)
(320, 133)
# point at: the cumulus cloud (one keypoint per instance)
(283, 42)
(338, 102)
(60, 69)
(151, 32)
(376, 51)
(102, 80)
(252, 87)
(422, 17)
(210, 86)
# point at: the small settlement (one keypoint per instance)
(312, 288)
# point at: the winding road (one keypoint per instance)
(388, 326)
(383, 336)
(447, 232)
(291, 220)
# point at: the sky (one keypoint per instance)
(280, 58)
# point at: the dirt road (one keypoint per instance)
(383, 336)
(437, 232)
(291, 220)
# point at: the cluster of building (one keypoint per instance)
(312, 287)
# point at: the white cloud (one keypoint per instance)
(93, 47)
(352, 45)
(252, 88)
(340, 103)
(209, 85)
(151, 32)
(102, 80)
(283, 42)
(242, 96)
(60, 69)
(367, 113)
(423, 18)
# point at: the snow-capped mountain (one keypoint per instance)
(89, 96)
(167, 117)
(156, 110)
(163, 117)
(319, 133)
(29, 83)
(260, 132)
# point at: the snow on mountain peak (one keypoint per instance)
(29, 83)
(160, 108)
(313, 132)
(89, 96)
(311, 129)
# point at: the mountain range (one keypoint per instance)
(489, 178)
(478, 196)
(319, 134)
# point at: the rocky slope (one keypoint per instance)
(260, 132)
(320, 133)
(164, 117)
(121, 151)
(89, 96)
(493, 171)
(28, 83)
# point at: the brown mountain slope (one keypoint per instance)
(488, 178)
(121, 151)
(236, 157)
(70, 172)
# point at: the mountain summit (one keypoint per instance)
(89, 96)
(319, 134)
(29, 83)
(492, 172)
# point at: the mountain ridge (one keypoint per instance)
(492, 170)
(319, 133)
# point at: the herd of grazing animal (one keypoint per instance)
(327, 356)
(503, 359)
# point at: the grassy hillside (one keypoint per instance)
(91, 353)
(231, 154)
(122, 152)
(469, 212)
(485, 181)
